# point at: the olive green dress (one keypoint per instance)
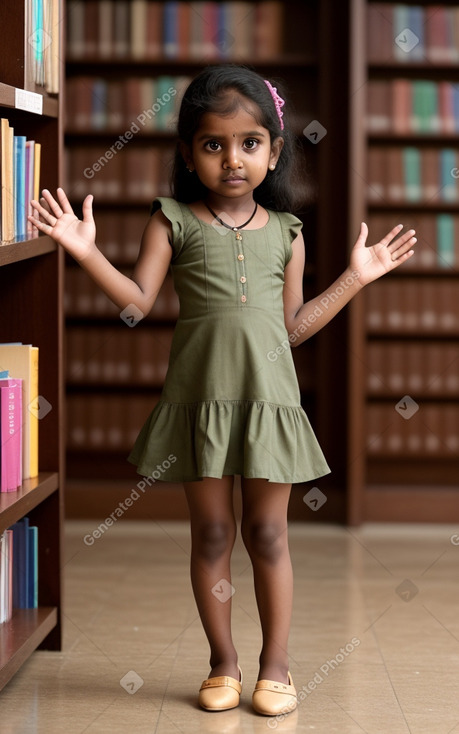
(231, 402)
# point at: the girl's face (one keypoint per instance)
(232, 154)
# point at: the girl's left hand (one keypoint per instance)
(372, 262)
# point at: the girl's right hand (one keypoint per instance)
(56, 219)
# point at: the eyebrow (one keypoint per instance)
(251, 133)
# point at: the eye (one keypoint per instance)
(212, 145)
(251, 143)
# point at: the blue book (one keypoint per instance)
(170, 30)
(224, 40)
(32, 597)
(447, 182)
(19, 186)
(455, 93)
(416, 25)
(99, 104)
(4, 374)
(20, 563)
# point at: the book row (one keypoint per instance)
(421, 306)
(21, 407)
(83, 299)
(106, 422)
(135, 173)
(115, 104)
(409, 428)
(410, 33)
(18, 568)
(437, 238)
(20, 182)
(142, 29)
(418, 367)
(42, 54)
(403, 106)
(114, 355)
(412, 174)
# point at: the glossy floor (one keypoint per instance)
(374, 644)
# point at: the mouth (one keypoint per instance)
(233, 179)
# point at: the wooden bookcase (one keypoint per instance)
(412, 475)
(31, 278)
(327, 71)
(309, 48)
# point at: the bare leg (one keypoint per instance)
(213, 532)
(264, 531)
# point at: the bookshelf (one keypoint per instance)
(403, 356)
(31, 278)
(346, 372)
(98, 78)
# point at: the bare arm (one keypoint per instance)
(56, 219)
(302, 320)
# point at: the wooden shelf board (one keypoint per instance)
(410, 334)
(414, 138)
(14, 505)
(415, 206)
(21, 635)
(7, 99)
(111, 62)
(12, 252)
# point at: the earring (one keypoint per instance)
(272, 167)
(190, 169)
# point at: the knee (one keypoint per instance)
(267, 541)
(213, 539)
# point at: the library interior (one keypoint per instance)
(96, 603)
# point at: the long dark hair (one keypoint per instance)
(283, 189)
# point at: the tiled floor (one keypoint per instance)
(374, 643)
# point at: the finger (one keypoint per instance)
(399, 260)
(87, 209)
(402, 247)
(363, 234)
(401, 240)
(42, 226)
(47, 216)
(64, 202)
(390, 235)
(54, 206)
(44, 203)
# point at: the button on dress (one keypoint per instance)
(230, 403)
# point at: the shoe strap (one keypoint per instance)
(275, 687)
(222, 680)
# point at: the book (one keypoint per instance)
(22, 362)
(7, 181)
(10, 434)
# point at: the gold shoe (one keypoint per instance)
(220, 693)
(271, 698)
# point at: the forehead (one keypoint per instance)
(234, 124)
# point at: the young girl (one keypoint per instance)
(228, 408)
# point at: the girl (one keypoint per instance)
(228, 407)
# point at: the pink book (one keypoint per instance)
(10, 434)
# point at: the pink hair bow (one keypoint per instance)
(278, 101)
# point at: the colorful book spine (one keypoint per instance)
(209, 30)
(10, 434)
(18, 568)
(20, 180)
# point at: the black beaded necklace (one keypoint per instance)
(228, 226)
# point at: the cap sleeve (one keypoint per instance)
(173, 212)
(291, 228)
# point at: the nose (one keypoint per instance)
(232, 160)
